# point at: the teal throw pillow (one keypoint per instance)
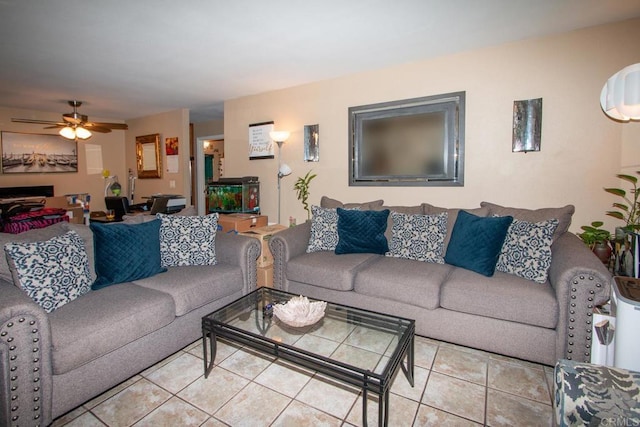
(362, 232)
(126, 252)
(476, 242)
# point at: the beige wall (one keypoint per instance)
(582, 149)
(170, 124)
(113, 158)
(209, 128)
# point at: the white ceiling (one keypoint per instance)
(128, 59)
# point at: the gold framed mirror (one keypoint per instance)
(148, 156)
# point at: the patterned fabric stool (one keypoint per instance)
(594, 395)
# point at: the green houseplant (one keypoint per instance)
(597, 239)
(302, 190)
(593, 234)
(629, 211)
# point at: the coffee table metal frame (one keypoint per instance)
(368, 381)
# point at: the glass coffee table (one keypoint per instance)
(359, 347)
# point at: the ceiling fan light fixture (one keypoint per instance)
(68, 132)
(82, 133)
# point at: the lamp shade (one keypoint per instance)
(82, 133)
(279, 135)
(620, 96)
(68, 132)
(284, 170)
(73, 133)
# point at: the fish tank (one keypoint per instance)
(234, 195)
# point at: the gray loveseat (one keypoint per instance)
(504, 313)
(51, 363)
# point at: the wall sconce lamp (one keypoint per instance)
(527, 125)
(620, 97)
(279, 137)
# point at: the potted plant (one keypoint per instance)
(302, 191)
(629, 211)
(597, 239)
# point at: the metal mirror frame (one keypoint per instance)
(450, 106)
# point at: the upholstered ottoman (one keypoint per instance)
(593, 395)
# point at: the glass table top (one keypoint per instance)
(359, 338)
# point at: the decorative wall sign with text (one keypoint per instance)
(260, 143)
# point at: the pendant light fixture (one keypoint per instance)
(620, 97)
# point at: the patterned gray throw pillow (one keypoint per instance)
(418, 237)
(526, 251)
(324, 229)
(53, 272)
(188, 240)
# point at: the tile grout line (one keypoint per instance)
(539, 370)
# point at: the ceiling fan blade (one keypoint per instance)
(37, 122)
(117, 126)
(71, 120)
(56, 126)
(97, 128)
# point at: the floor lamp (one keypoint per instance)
(279, 137)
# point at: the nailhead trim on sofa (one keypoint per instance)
(579, 324)
(26, 405)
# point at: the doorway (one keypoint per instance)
(209, 166)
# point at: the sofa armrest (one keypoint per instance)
(286, 245)
(242, 251)
(581, 282)
(25, 360)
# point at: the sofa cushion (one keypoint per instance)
(53, 272)
(452, 216)
(328, 270)
(526, 251)
(418, 237)
(476, 242)
(503, 296)
(362, 232)
(194, 286)
(188, 240)
(402, 280)
(36, 235)
(138, 218)
(563, 215)
(126, 252)
(104, 320)
(328, 203)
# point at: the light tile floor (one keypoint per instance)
(454, 385)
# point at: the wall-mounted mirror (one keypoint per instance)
(148, 156)
(408, 143)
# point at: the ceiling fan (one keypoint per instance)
(75, 125)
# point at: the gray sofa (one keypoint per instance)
(503, 314)
(51, 363)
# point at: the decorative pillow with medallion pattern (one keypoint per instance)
(53, 272)
(188, 240)
(324, 229)
(418, 237)
(526, 251)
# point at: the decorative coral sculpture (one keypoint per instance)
(299, 311)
